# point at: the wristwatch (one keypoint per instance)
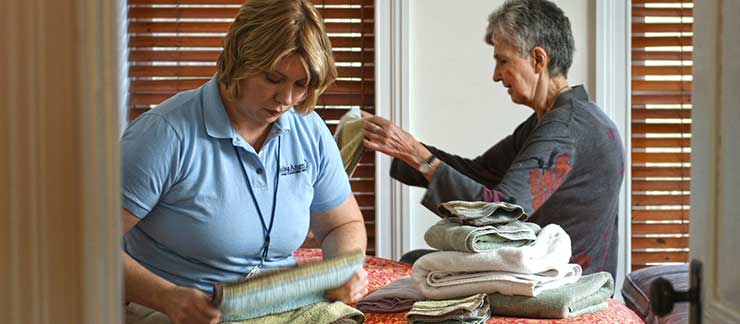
(426, 165)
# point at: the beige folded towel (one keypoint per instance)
(525, 270)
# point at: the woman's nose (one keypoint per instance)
(284, 96)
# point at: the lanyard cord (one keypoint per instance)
(266, 230)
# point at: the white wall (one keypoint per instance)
(454, 104)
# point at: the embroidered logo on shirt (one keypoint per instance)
(294, 168)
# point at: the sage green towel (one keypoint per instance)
(323, 312)
(587, 295)
(474, 309)
(481, 213)
(447, 235)
(284, 290)
(349, 136)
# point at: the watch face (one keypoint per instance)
(425, 167)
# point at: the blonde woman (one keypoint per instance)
(223, 181)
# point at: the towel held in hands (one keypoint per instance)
(284, 290)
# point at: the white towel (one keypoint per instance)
(525, 270)
(442, 285)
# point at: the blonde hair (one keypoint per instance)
(266, 31)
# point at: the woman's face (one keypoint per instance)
(268, 95)
(515, 72)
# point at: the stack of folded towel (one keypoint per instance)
(519, 270)
(490, 248)
(471, 310)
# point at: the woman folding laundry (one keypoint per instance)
(564, 164)
(223, 181)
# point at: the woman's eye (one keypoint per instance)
(271, 78)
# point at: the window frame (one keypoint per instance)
(613, 93)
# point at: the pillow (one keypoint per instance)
(636, 293)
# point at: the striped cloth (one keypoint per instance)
(323, 312)
(349, 137)
(471, 310)
(481, 213)
(284, 290)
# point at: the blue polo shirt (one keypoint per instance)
(182, 176)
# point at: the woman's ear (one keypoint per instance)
(539, 56)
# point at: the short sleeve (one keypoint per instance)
(331, 187)
(150, 150)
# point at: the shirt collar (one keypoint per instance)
(577, 92)
(217, 121)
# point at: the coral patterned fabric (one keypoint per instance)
(383, 271)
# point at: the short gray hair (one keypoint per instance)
(526, 24)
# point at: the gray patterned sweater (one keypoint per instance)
(566, 169)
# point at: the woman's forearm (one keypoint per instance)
(144, 287)
(344, 239)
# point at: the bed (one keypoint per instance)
(383, 271)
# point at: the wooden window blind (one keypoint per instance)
(661, 130)
(174, 44)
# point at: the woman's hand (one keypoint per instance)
(351, 291)
(384, 136)
(191, 306)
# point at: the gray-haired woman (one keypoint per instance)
(563, 165)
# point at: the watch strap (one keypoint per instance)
(426, 166)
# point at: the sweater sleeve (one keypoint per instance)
(533, 174)
(487, 169)
(483, 169)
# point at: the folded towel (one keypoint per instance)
(349, 137)
(481, 213)
(473, 309)
(589, 294)
(546, 260)
(445, 284)
(397, 296)
(552, 248)
(450, 236)
(284, 290)
(323, 312)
